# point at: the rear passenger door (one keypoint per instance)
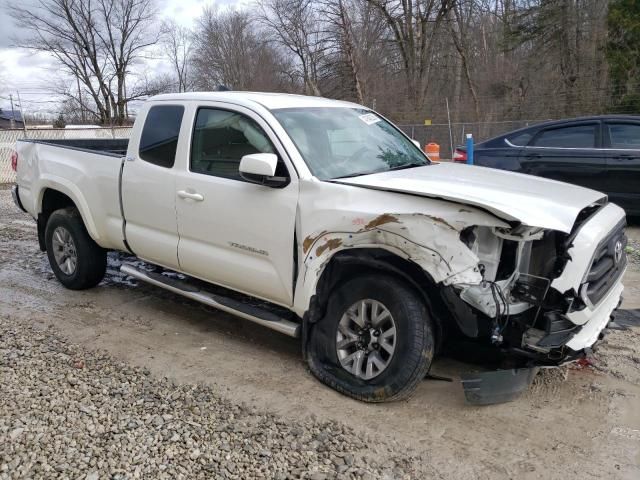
(148, 186)
(622, 142)
(569, 153)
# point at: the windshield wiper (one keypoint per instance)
(357, 174)
(399, 167)
(408, 165)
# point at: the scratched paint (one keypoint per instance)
(330, 244)
(381, 220)
(310, 240)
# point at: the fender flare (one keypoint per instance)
(66, 187)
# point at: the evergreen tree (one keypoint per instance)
(623, 54)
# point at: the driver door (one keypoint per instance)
(233, 232)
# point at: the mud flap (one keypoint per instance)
(500, 386)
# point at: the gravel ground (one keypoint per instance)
(633, 251)
(69, 412)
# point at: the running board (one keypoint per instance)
(257, 315)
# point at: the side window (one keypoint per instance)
(159, 139)
(581, 136)
(221, 138)
(624, 135)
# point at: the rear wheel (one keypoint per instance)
(375, 343)
(76, 260)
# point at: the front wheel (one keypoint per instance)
(375, 342)
(76, 260)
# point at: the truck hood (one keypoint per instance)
(533, 201)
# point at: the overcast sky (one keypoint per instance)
(33, 74)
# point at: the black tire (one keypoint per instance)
(91, 262)
(414, 342)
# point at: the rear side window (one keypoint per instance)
(581, 136)
(159, 139)
(624, 135)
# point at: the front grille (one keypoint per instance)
(609, 261)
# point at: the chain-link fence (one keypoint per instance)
(441, 133)
(445, 135)
(8, 140)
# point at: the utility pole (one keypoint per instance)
(80, 100)
(24, 121)
(13, 122)
(449, 122)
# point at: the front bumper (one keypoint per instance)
(592, 242)
(16, 198)
(600, 316)
(583, 297)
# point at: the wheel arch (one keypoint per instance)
(55, 197)
(348, 263)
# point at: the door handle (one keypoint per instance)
(191, 196)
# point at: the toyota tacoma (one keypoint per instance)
(320, 219)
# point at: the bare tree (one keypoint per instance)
(413, 25)
(296, 26)
(343, 41)
(228, 52)
(96, 41)
(125, 32)
(459, 16)
(177, 42)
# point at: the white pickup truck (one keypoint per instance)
(322, 220)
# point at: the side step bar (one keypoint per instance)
(258, 315)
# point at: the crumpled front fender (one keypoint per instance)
(430, 241)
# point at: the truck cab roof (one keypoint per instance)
(270, 101)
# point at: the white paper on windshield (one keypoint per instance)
(369, 118)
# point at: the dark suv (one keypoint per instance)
(602, 153)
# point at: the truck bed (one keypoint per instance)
(85, 170)
(116, 147)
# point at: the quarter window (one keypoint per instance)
(521, 139)
(159, 139)
(624, 135)
(581, 136)
(221, 138)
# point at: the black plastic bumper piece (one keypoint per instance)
(500, 386)
(16, 198)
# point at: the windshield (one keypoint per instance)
(347, 142)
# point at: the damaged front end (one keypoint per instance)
(536, 291)
(539, 287)
(545, 295)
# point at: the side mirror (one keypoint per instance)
(260, 168)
